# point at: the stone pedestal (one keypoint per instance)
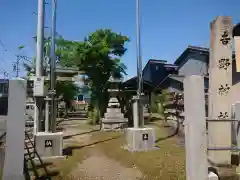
(140, 139)
(49, 144)
(113, 118)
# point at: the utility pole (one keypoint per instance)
(39, 60)
(53, 68)
(16, 66)
(5, 75)
(139, 65)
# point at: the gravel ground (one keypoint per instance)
(96, 166)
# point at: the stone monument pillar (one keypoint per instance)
(14, 156)
(220, 84)
(113, 118)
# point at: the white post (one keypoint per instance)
(47, 116)
(135, 114)
(195, 129)
(14, 157)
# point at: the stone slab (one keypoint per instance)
(113, 115)
(114, 120)
(49, 144)
(140, 139)
(113, 104)
(114, 110)
(113, 100)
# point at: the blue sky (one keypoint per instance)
(168, 27)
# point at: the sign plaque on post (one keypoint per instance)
(48, 143)
(145, 137)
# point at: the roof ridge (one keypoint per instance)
(198, 48)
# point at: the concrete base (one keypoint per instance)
(113, 125)
(140, 139)
(49, 144)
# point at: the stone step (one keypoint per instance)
(113, 110)
(113, 104)
(113, 115)
(113, 100)
(114, 120)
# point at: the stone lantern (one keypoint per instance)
(113, 118)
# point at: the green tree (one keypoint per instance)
(63, 52)
(160, 101)
(99, 56)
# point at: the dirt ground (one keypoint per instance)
(95, 155)
(91, 154)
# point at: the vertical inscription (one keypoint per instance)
(225, 38)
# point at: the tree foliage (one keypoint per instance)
(67, 89)
(99, 56)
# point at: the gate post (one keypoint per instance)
(220, 91)
(195, 128)
(14, 156)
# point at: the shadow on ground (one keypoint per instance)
(235, 177)
(46, 165)
(69, 150)
(78, 134)
(174, 132)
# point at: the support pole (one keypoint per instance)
(135, 114)
(139, 65)
(195, 129)
(47, 116)
(39, 60)
(53, 68)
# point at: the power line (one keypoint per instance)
(17, 62)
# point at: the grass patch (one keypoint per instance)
(70, 162)
(165, 163)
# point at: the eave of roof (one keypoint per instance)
(135, 79)
(152, 61)
(191, 49)
(175, 77)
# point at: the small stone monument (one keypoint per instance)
(113, 118)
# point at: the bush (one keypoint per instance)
(154, 107)
(93, 116)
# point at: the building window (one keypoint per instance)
(157, 68)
